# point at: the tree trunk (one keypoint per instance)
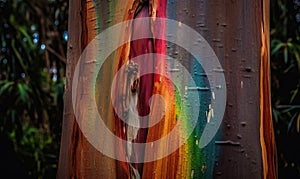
(237, 31)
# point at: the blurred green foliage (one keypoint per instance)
(285, 69)
(33, 37)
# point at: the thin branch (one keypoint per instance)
(51, 50)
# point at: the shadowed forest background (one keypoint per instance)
(33, 47)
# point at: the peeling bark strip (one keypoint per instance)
(149, 85)
(267, 138)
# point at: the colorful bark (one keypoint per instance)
(243, 121)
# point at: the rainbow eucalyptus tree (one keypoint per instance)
(146, 80)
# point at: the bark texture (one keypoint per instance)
(238, 31)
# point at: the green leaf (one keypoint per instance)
(275, 115)
(285, 53)
(18, 55)
(291, 122)
(277, 48)
(290, 45)
(6, 87)
(294, 94)
(297, 55)
(287, 110)
(27, 36)
(23, 90)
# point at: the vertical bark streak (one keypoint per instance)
(267, 138)
(140, 47)
(78, 158)
(74, 50)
